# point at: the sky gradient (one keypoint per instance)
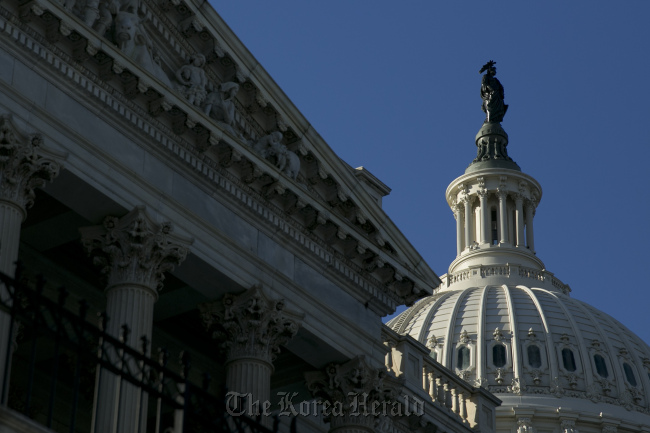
(394, 87)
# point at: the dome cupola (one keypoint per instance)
(501, 321)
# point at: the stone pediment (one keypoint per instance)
(179, 63)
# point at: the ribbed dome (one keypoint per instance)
(517, 341)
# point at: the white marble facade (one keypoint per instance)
(186, 193)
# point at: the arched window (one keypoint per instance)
(629, 374)
(499, 355)
(493, 226)
(462, 363)
(601, 366)
(568, 360)
(534, 356)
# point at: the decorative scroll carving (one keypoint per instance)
(568, 426)
(346, 385)
(134, 249)
(193, 79)
(524, 425)
(24, 164)
(250, 324)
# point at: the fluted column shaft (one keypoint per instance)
(135, 252)
(468, 222)
(503, 217)
(11, 217)
(530, 237)
(24, 166)
(484, 217)
(519, 210)
(459, 230)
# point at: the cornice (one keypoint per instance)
(207, 164)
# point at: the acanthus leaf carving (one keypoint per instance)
(250, 324)
(134, 249)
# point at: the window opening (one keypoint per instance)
(493, 225)
(462, 362)
(629, 374)
(534, 356)
(568, 360)
(499, 355)
(601, 366)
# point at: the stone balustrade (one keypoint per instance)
(514, 271)
(427, 379)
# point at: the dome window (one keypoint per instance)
(499, 355)
(569, 360)
(534, 356)
(463, 361)
(601, 366)
(629, 374)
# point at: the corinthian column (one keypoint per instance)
(24, 165)
(354, 394)
(252, 327)
(134, 252)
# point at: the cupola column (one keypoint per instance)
(519, 210)
(503, 216)
(134, 251)
(24, 166)
(530, 238)
(251, 327)
(468, 221)
(482, 196)
(459, 229)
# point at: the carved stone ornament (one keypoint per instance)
(250, 324)
(24, 164)
(568, 426)
(464, 337)
(524, 425)
(353, 387)
(270, 147)
(193, 80)
(134, 249)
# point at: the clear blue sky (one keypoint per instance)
(394, 86)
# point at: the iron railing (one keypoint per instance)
(62, 357)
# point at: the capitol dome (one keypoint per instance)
(501, 321)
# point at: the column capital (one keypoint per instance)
(251, 325)
(134, 249)
(24, 164)
(501, 193)
(355, 388)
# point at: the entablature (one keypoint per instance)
(323, 196)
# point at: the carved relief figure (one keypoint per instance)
(219, 105)
(492, 94)
(134, 42)
(285, 160)
(193, 78)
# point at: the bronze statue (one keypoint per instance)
(492, 94)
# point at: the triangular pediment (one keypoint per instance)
(179, 63)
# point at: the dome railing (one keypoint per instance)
(426, 378)
(514, 271)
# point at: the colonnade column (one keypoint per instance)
(24, 165)
(503, 221)
(519, 211)
(253, 327)
(482, 196)
(458, 214)
(468, 221)
(134, 252)
(352, 390)
(530, 238)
